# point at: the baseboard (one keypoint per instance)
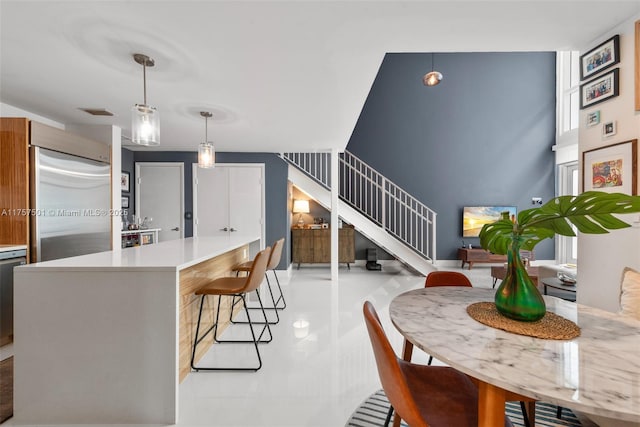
(448, 263)
(356, 263)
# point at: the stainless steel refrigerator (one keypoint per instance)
(70, 198)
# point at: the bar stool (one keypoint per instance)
(236, 287)
(274, 260)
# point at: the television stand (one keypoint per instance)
(479, 255)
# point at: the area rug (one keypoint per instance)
(373, 411)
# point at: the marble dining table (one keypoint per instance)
(596, 373)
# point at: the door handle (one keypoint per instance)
(224, 229)
(175, 229)
(233, 229)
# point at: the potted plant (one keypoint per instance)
(590, 212)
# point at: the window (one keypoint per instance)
(568, 96)
(568, 185)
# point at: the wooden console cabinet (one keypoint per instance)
(314, 246)
(479, 255)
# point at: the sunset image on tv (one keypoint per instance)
(475, 217)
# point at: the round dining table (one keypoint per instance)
(595, 373)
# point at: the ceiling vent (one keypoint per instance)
(97, 111)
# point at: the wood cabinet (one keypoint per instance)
(314, 246)
(14, 181)
(480, 255)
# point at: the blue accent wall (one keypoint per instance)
(276, 209)
(483, 136)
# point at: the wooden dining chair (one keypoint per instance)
(422, 395)
(236, 287)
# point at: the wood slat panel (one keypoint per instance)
(14, 181)
(191, 279)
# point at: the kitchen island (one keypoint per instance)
(106, 338)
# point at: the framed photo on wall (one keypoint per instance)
(600, 89)
(613, 168)
(593, 118)
(124, 182)
(609, 129)
(600, 57)
(125, 202)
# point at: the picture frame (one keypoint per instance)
(125, 202)
(601, 57)
(593, 118)
(124, 182)
(612, 168)
(609, 129)
(600, 89)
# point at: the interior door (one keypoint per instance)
(245, 200)
(160, 196)
(229, 199)
(210, 201)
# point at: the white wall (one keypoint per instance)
(602, 258)
(7, 110)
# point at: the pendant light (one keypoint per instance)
(432, 78)
(145, 121)
(206, 151)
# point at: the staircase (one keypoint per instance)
(375, 206)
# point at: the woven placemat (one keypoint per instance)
(550, 327)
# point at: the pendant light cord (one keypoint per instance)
(144, 80)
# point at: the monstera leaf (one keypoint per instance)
(590, 212)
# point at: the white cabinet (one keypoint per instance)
(228, 199)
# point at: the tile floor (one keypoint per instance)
(311, 376)
(319, 366)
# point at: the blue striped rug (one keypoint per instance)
(373, 411)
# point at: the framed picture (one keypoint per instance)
(125, 202)
(612, 168)
(124, 182)
(600, 57)
(593, 118)
(609, 129)
(599, 89)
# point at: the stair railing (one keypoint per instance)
(377, 198)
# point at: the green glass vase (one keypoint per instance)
(517, 296)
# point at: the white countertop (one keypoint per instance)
(169, 255)
(8, 248)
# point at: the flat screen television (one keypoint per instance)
(474, 217)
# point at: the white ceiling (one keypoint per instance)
(277, 75)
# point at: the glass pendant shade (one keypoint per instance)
(145, 120)
(206, 155)
(432, 78)
(145, 125)
(206, 150)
